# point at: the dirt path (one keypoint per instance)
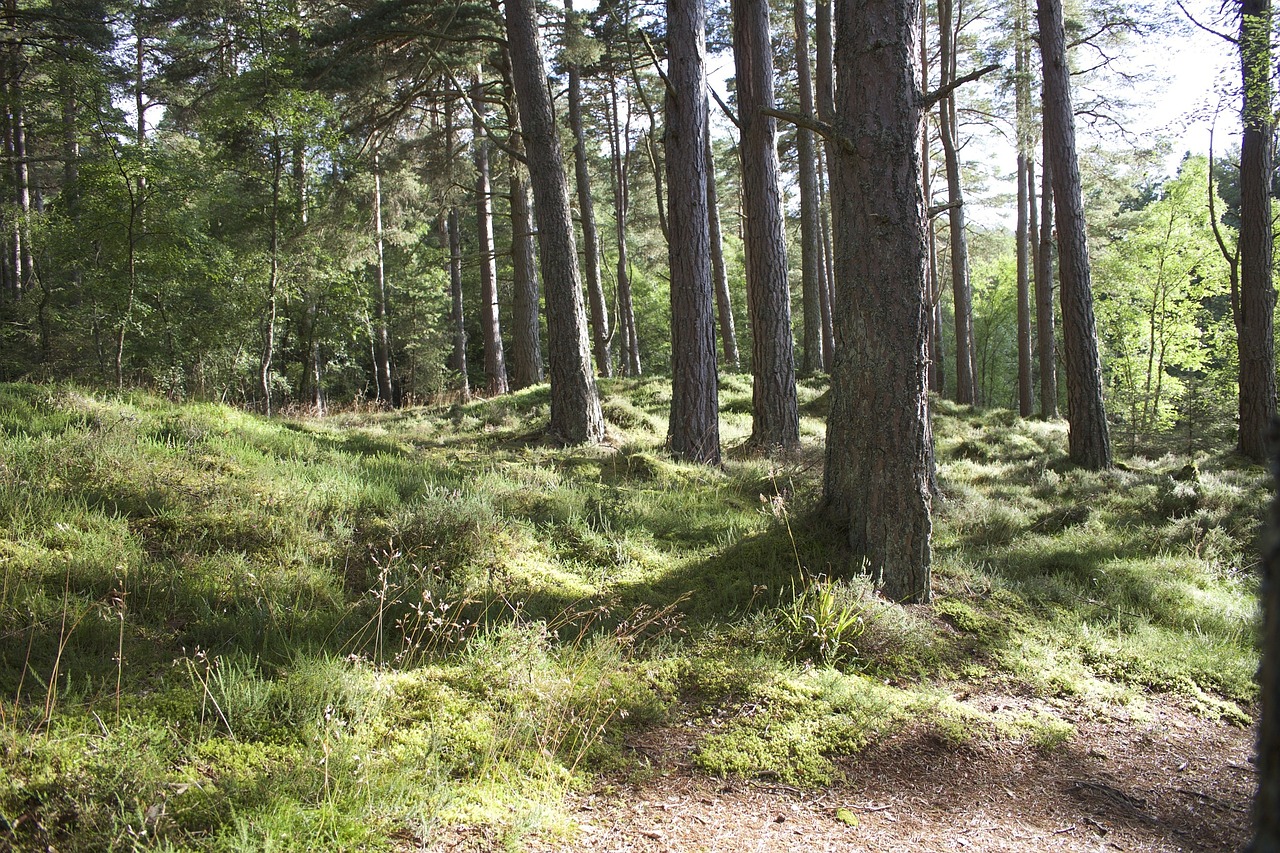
(1164, 780)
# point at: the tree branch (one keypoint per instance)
(727, 110)
(821, 128)
(931, 98)
(1207, 29)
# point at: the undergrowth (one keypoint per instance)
(222, 632)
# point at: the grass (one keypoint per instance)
(221, 632)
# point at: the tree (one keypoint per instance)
(1046, 343)
(811, 272)
(575, 402)
(877, 484)
(694, 429)
(1255, 303)
(1089, 439)
(775, 419)
(495, 365)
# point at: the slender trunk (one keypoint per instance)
(1254, 321)
(826, 283)
(962, 294)
(586, 209)
(810, 226)
(495, 367)
(719, 275)
(694, 427)
(273, 280)
(575, 402)
(381, 329)
(1047, 345)
(1025, 395)
(620, 141)
(775, 420)
(651, 149)
(824, 86)
(877, 482)
(458, 356)
(1089, 439)
(526, 337)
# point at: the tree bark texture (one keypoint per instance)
(719, 275)
(1089, 438)
(810, 222)
(962, 293)
(775, 420)
(824, 89)
(1266, 806)
(879, 445)
(1256, 304)
(1046, 344)
(600, 335)
(575, 400)
(495, 365)
(694, 428)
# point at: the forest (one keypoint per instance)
(464, 426)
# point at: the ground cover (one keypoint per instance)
(428, 629)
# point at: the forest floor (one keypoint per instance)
(429, 630)
(1158, 780)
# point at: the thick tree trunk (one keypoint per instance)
(962, 293)
(381, 327)
(495, 366)
(1089, 438)
(1254, 317)
(575, 401)
(775, 420)
(587, 210)
(693, 432)
(879, 446)
(1047, 345)
(719, 275)
(810, 223)
(1266, 805)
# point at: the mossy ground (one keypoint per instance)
(222, 632)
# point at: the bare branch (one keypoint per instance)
(936, 95)
(1207, 29)
(821, 128)
(728, 111)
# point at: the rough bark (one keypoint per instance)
(1256, 303)
(600, 335)
(775, 420)
(1046, 344)
(824, 89)
(1266, 805)
(812, 357)
(879, 445)
(495, 366)
(575, 401)
(962, 294)
(719, 275)
(693, 432)
(1089, 439)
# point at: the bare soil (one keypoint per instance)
(1155, 779)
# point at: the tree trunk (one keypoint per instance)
(1046, 343)
(586, 207)
(1024, 121)
(526, 337)
(694, 427)
(575, 401)
(775, 420)
(962, 293)
(810, 223)
(1254, 318)
(719, 275)
(879, 445)
(824, 85)
(273, 281)
(381, 330)
(458, 357)
(621, 205)
(1089, 438)
(495, 366)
